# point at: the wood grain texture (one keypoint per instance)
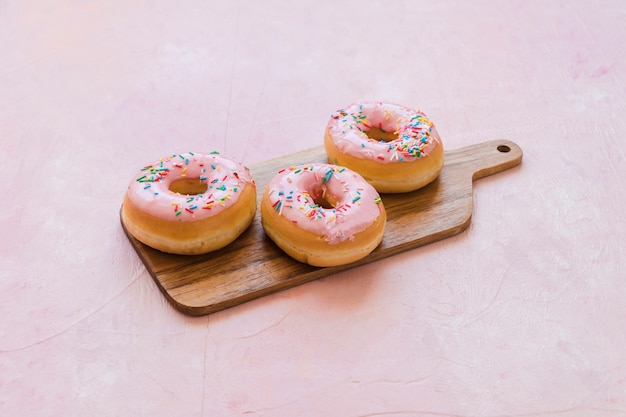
(253, 266)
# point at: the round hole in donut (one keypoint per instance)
(188, 186)
(323, 198)
(380, 135)
(503, 148)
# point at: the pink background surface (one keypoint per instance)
(523, 314)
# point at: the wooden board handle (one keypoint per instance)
(486, 158)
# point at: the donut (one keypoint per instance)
(189, 203)
(395, 148)
(322, 214)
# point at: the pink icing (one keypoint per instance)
(294, 191)
(224, 178)
(417, 135)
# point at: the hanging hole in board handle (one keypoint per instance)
(503, 148)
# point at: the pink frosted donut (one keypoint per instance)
(189, 203)
(322, 214)
(395, 148)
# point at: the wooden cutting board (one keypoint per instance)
(253, 266)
